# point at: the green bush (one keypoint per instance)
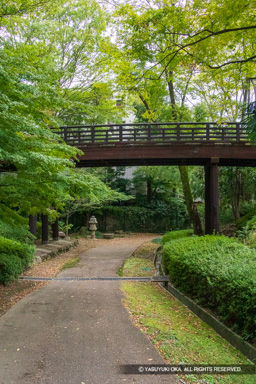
(15, 251)
(16, 232)
(173, 235)
(10, 268)
(18, 224)
(220, 274)
(241, 223)
(10, 216)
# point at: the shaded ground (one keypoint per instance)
(77, 332)
(15, 291)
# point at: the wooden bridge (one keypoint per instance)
(207, 144)
(160, 144)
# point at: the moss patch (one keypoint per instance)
(71, 263)
(146, 251)
(179, 335)
(137, 267)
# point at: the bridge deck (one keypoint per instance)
(160, 144)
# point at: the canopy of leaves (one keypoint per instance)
(48, 65)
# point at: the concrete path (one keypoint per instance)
(74, 332)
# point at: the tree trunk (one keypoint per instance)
(191, 207)
(236, 194)
(67, 220)
(169, 75)
(149, 191)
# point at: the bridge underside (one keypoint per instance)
(210, 155)
(191, 153)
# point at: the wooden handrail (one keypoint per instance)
(144, 132)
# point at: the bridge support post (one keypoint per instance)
(212, 197)
(45, 225)
(32, 224)
(55, 230)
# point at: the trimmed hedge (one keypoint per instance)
(16, 232)
(220, 274)
(19, 225)
(11, 216)
(173, 235)
(10, 268)
(14, 258)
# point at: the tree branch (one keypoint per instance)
(180, 48)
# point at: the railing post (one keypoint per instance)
(223, 133)
(207, 131)
(178, 131)
(93, 134)
(65, 134)
(237, 131)
(149, 132)
(120, 133)
(134, 134)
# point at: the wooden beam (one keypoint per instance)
(174, 153)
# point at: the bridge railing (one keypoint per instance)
(152, 132)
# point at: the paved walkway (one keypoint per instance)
(74, 332)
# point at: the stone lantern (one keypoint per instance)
(92, 226)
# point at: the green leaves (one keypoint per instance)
(220, 274)
(49, 72)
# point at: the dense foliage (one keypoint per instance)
(173, 235)
(219, 273)
(70, 61)
(14, 226)
(14, 258)
(16, 244)
(49, 75)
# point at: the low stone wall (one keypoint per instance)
(48, 251)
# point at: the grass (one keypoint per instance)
(137, 267)
(70, 263)
(179, 335)
(146, 251)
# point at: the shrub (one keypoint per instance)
(10, 216)
(218, 273)
(11, 219)
(173, 235)
(10, 268)
(241, 223)
(16, 232)
(14, 250)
